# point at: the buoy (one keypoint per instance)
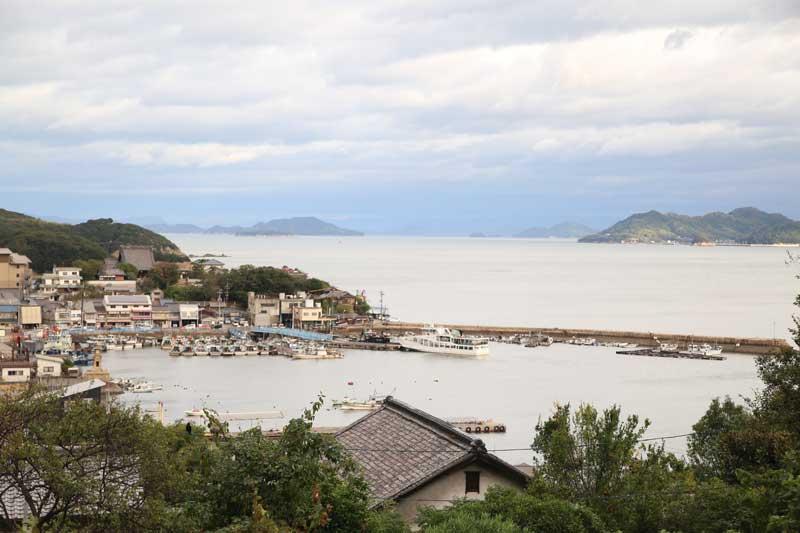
(468, 430)
(487, 429)
(349, 382)
(478, 429)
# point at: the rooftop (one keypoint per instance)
(139, 256)
(401, 448)
(126, 299)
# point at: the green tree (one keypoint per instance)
(705, 446)
(90, 268)
(131, 272)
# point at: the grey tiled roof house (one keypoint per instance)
(414, 459)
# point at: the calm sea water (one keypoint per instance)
(727, 291)
(737, 291)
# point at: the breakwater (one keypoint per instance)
(746, 345)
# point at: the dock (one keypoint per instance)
(358, 345)
(648, 352)
(744, 345)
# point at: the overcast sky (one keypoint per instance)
(452, 116)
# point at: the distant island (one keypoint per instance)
(49, 244)
(310, 226)
(564, 230)
(746, 225)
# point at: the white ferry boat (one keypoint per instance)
(444, 341)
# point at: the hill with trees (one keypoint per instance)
(49, 243)
(746, 225)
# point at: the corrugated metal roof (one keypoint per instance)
(8, 308)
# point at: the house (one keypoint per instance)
(9, 317)
(48, 366)
(336, 301)
(16, 371)
(127, 310)
(265, 310)
(14, 269)
(210, 265)
(61, 279)
(308, 315)
(30, 316)
(111, 271)
(139, 256)
(414, 459)
(114, 286)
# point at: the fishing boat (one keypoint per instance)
(200, 349)
(175, 351)
(444, 341)
(350, 404)
(214, 351)
(228, 350)
(195, 413)
(667, 347)
(187, 351)
(145, 387)
(703, 350)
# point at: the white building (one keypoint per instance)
(123, 310)
(48, 366)
(16, 371)
(61, 279)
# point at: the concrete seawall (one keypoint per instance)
(744, 345)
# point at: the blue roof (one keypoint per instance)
(8, 308)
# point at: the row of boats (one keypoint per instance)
(231, 347)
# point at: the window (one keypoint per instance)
(15, 372)
(473, 482)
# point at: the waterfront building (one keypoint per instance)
(266, 310)
(61, 279)
(14, 269)
(450, 465)
(308, 316)
(336, 301)
(127, 310)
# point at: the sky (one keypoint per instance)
(424, 116)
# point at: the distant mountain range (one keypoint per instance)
(746, 225)
(278, 226)
(565, 230)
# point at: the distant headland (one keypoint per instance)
(746, 225)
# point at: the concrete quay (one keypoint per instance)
(745, 345)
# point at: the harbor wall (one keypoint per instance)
(754, 346)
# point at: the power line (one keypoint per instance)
(493, 450)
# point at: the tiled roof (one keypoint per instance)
(401, 448)
(19, 259)
(139, 256)
(127, 299)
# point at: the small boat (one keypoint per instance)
(196, 413)
(200, 349)
(703, 350)
(250, 349)
(145, 387)
(667, 347)
(175, 351)
(228, 350)
(187, 351)
(214, 350)
(349, 404)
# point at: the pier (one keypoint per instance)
(744, 345)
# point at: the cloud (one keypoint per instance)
(677, 39)
(259, 96)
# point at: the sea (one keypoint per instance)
(729, 291)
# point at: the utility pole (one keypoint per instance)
(83, 289)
